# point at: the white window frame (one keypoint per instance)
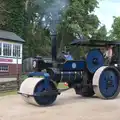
(12, 44)
(7, 49)
(1, 49)
(20, 50)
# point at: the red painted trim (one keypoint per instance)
(6, 60)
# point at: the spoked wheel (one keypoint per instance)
(46, 99)
(106, 82)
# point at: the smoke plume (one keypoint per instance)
(52, 14)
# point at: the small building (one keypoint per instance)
(11, 47)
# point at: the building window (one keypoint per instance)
(0, 48)
(16, 50)
(7, 49)
(4, 68)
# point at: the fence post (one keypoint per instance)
(17, 72)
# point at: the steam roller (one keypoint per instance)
(87, 77)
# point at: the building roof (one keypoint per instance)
(5, 35)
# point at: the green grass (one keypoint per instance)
(23, 77)
(8, 93)
(62, 86)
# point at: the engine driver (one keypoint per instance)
(108, 54)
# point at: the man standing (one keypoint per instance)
(108, 54)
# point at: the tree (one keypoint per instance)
(78, 20)
(115, 31)
(36, 36)
(100, 34)
(3, 12)
(13, 14)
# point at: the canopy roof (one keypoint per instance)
(94, 43)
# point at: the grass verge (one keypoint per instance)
(62, 86)
(8, 93)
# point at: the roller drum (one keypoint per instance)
(27, 89)
(31, 86)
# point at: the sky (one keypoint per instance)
(107, 9)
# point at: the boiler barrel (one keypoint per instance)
(62, 76)
(70, 76)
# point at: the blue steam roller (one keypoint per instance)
(94, 60)
(106, 82)
(88, 77)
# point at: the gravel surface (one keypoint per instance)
(68, 106)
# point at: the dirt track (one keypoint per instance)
(68, 106)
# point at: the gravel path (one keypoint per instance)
(68, 106)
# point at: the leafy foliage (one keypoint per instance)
(37, 38)
(115, 32)
(36, 42)
(78, 21)
(3, 13)
(14, 18)
(100, 34)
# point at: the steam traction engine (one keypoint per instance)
(87, 76)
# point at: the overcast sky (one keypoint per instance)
(107, 9)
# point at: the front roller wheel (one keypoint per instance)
(46, 99)
(106, 82)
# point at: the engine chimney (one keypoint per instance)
(54, 44)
